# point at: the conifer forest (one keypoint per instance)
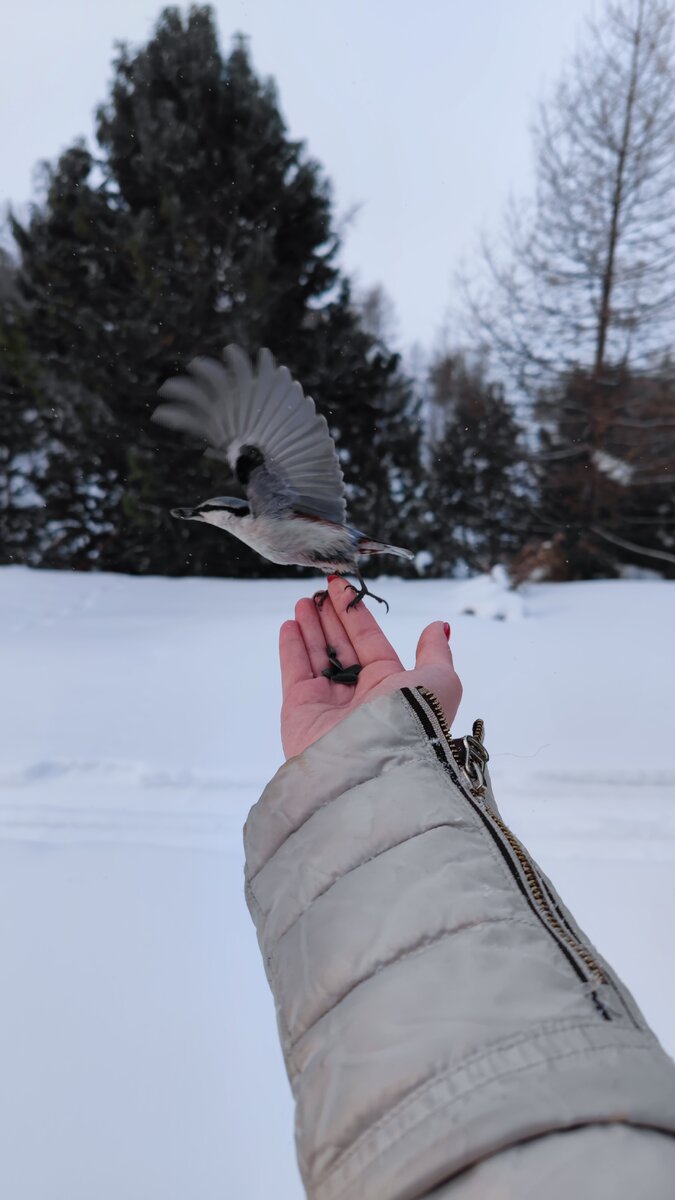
(538, 433)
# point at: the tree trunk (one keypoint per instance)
(617, 201)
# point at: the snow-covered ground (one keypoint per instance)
(139, 718)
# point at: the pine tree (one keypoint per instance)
(479, 490)
(20, 507)
(199, 222)
(374, 415)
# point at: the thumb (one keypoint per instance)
(433, 648)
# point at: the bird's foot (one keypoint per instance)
(361, 593)
(320, 598)
(337, 673)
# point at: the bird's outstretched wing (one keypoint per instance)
(262, 424)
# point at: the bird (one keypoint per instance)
(260, 422)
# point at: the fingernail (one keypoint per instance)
(446, 630)
(332, 577)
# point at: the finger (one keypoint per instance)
(360, 626)
(433, 647)
(434, 661)
(295, 664)
(313, 635)
(335, 634)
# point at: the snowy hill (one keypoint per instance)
(140, 722)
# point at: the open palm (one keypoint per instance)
(313, 704)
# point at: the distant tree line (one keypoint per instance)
(547, 442)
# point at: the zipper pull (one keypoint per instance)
(468, 752)
(474, 757)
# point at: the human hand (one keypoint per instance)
(313, 704)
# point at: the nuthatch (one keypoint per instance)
(266, 429)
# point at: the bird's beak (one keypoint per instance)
(184, 514)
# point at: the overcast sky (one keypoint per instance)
(419, 110)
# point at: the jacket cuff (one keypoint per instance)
(325, 770)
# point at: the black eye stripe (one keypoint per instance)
(239, 511)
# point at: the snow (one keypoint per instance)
(489, 596)
(614, 468)
(140, 720)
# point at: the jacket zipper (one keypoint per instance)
(469, 756)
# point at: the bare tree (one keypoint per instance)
(585, 277)
(579, 300)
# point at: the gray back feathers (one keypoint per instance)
(262, 424)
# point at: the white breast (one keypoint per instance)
(294, 540)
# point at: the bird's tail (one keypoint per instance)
(368, 546)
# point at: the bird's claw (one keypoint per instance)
(337, 673)
(320, 597)
(361, 593)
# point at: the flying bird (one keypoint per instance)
(269, 433)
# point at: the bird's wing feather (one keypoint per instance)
(234, 408)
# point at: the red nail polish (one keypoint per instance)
(332, 577)
(446, 630)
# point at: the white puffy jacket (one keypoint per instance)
(447, 1028)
